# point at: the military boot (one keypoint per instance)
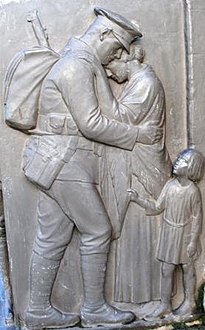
(96, 311)
(41, 314)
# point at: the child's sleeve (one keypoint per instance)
(197, 216)
(156, 207)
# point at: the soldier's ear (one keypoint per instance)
(105, 33)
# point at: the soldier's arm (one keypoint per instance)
(78, 89)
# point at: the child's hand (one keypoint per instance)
(132, 194)
(191, 249)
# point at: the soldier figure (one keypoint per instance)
(78, 114)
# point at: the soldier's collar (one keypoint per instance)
(81, 45)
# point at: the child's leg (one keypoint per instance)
(189, 281)
(166, 292)
(166, 283)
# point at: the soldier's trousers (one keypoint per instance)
(66, 205)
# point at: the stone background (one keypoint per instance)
(174, 43)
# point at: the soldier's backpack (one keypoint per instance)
(23, 81)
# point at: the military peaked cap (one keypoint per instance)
(124, 30)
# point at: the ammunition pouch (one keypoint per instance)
(44, 157)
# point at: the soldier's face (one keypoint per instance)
(111, 49)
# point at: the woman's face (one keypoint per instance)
(118, 69)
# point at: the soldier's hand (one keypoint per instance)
(149, 134)
(133, 195)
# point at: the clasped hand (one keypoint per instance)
(133, 195)
(149, 134)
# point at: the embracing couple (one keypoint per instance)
(79, 114)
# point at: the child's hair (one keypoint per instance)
(196, 163)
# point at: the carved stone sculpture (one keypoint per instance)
(147, 167)
(81, 125)
(62, 156)
(180, 200)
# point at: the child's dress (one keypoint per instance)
(182, 218)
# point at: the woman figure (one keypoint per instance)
(146, 168)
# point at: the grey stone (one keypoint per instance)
(177, 58)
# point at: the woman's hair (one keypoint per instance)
(136, 53)
(196, 163)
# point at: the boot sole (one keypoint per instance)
(38, 327)
(101, 324)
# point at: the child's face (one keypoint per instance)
(181, 165)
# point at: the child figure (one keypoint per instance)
(180, 200)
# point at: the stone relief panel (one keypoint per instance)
(92, 137)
